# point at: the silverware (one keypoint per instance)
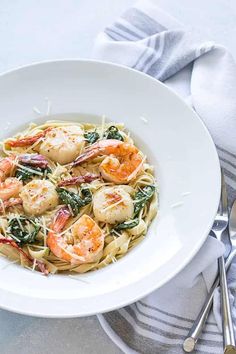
(219, 226)
(198, 325)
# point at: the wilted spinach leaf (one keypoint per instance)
(73, 199)
(142, 197)
(127, 225)
(113, 133)
(91, 137)
(19, 229)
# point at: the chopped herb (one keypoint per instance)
(74, 200)
(142, 197)
(113, 133)
(127, 225)
(91, 137)
(19, 230)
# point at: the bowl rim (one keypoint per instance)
(197, 246)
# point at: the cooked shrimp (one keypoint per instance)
(112, 205)
(10, 188)
(6, 166)
(28, 140)
(88, 239)
(39, 196)
(9, 203)
(120, 168)
(63, 144)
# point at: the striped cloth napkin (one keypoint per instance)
(204, 74)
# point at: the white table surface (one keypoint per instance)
(36, 30)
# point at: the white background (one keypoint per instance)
(38, 30)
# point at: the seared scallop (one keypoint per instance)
(63, 144)
(112, 205)
(39, 196)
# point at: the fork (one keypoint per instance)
(198, 325)
(218, 228)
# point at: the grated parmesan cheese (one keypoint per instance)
(36, 110)
(44, 231)
(70, 209)
(35, 144)
(34, 265)
(43, 225)
(112, 205)
(29, 169)
(48, 106)
(103, 126)
(144, 120)
(185, 194)
(78, 279)
(116, 233)
(19, 222)
(176, 205)
(3, 227)
(2, 207)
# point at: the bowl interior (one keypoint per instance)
(175, 142)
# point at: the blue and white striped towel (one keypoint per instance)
(147, 39)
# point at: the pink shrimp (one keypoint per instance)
(6, 166)
(123, 164)
(88, 239)
(11, 186)
(28, 140)
(9, 203)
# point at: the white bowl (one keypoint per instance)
(176, 143)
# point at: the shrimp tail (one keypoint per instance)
(87, 178)
(60, 219)
(40, 264)
(35, 160)
(85, 156)
(102, 147)
(29, 140)
(42, 267)
(14, 245)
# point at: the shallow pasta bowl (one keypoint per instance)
(175, 141)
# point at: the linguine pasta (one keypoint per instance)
(33, 223)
